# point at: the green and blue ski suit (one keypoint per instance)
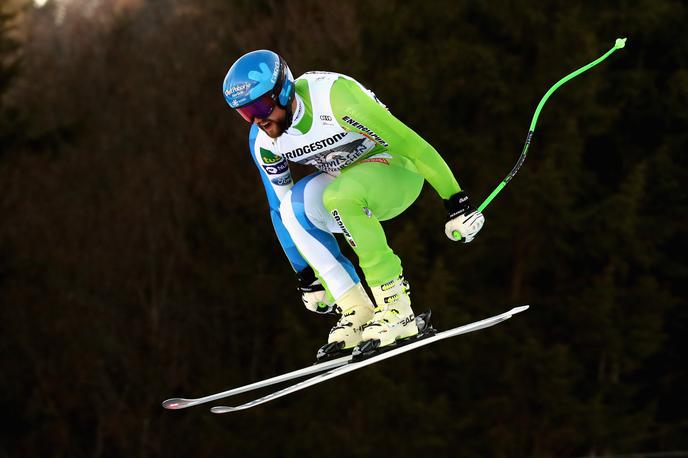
(371, 167)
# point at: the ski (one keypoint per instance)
(354, 365)
(183, 403)
(320, 366)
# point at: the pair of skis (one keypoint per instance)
(329, 369)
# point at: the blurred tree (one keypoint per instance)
(138, 259)
(13, 391)
(9, 65)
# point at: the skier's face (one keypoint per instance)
(275, 123)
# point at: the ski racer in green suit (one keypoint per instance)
(370, 168)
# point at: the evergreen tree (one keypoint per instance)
(137, 256)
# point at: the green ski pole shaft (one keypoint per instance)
(620, 43)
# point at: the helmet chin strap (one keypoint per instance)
(278, 89)
(290, 109)
(289, 117)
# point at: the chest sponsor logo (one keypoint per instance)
(367, 132)
(277, 168)
(314, 147)
(340, 156)
(268, 157)
(336, 156)
(281, 181)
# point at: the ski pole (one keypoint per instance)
(620, 43)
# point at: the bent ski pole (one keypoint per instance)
(620, 43)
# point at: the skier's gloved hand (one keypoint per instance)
(463, 219)
(313, 293)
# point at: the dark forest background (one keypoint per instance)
(138, 261)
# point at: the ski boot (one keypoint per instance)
(394, 319)
(356, 310)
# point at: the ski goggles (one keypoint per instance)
(259, 108)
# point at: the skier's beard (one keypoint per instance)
(275, 127)
(280, 127)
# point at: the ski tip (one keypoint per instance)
(222, 409)
(516, 310)
(176, 403)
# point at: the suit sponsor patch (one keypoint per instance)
(268, 157)
(365, 131)
(277, 168)
(281, 181)
(345, 231)
(315, 146)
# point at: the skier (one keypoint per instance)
(371, 167)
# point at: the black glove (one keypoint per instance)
(458, 204)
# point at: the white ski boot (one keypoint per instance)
(356, 310)
(394, 319)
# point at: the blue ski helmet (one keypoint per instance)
(256, 83)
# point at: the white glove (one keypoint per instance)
(316, 300)
(464, 221)
(313, 293)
